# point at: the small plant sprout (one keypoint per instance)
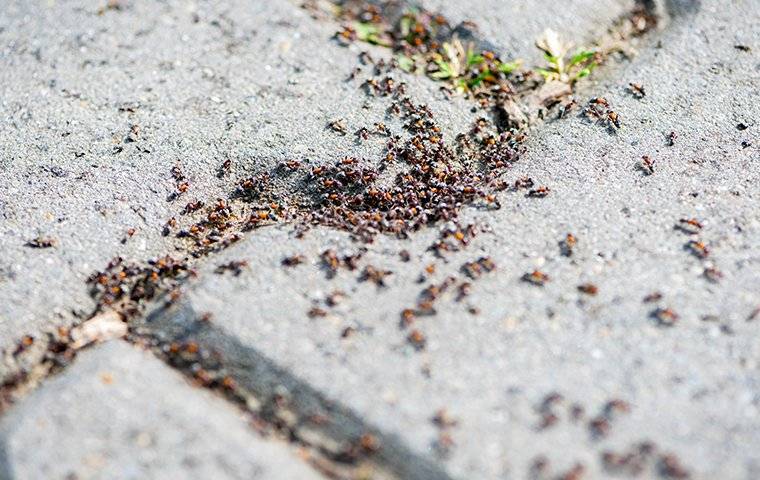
(451, 61)
(406, 63)
(561, 67)
(423, 42)
(371, 33)
(465, 69)
(484, 68)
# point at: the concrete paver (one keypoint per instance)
(523, 372)
(690, 389)
(119, 412)
(255, 84)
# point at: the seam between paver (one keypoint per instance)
(247, 378)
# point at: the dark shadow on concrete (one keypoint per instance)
(670, 10)
(267, 382)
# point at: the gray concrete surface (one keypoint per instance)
(258, 83)
(119, 412)
(692, 388)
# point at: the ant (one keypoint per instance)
(665, 316)
(235, 266)
(588, 289)
(375, 275)
(293, 260)
(689, 225)
(637, 90)
(698, 248)
(362, 133)
(536, 277)
(42, 242)
(567, 245)
(339, 126)
(646, 165)
(539, 192)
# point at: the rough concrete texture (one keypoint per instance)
(257, 83)
(513, 27)
(253, 83)
(692, 388)
(118, 412)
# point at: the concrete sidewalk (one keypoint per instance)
(627, 349)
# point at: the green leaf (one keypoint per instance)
(370, 33)
(545, 73)
(509, 67)
(581, 57)
(366, 30)
(473, 59)
(586, 71)
(479, 79)
(444, 71)
(405, 63)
